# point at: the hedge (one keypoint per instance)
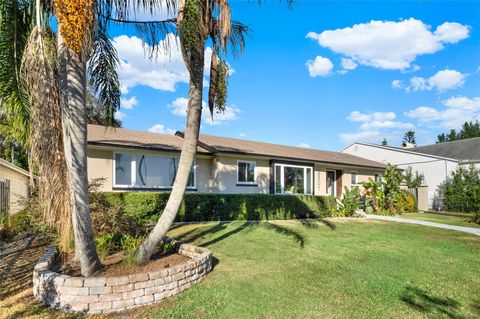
(215, 207)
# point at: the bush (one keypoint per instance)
(405, 202)
(146, 206)
(349, 204)
(461, 192)
(118, 242)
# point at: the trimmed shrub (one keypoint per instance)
(147, 206)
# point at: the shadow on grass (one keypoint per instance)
(297, 237)
(424, 302)
(228, 234)
(194, 234)
(476, 307)
(313, 224)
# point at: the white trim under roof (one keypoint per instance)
(393, 148)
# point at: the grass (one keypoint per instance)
(309, 269)
(442, 219)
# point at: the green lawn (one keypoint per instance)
(292, 269)
(357, 269)
(442, 219)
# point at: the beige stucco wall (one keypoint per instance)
(219, 174)
(223, 178)
(100, 166)
(18, 187)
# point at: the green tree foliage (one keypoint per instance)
(350, 203)
(469, 130)
(413, 180)
(461, 192)
(409, 137)
(384, 142)
(385, 196)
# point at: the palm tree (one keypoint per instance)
(32, 79)
(197, 21)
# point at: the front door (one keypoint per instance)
(331, 183)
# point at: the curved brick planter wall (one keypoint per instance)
(113, 294)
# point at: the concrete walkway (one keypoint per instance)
(470, 230)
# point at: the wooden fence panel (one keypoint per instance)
(4, 198)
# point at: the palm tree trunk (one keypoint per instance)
(75, 131)
(187, 156)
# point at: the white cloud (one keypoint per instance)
(304, 145)
(388, 44)
(348, 64)
(179, 107)
(128, 104)
(385, 124)
(319, 67)
(397, 84)
(163, 72)
(456, 111)
(119, 115)
(242, 134)
(441, 81)
(373, 125)
(160, 129)
(357, 116)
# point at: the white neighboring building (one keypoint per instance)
(436, 162)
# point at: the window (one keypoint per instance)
(246, 172)
(354, 178)
(147, 171)
(292, 179)
(378, 177)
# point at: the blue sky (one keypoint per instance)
(325, 74)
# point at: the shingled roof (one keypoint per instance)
(468, 149)
(99, 135)
(121, 137)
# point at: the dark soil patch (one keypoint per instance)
(114, 265)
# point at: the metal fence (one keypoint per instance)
(4, 198)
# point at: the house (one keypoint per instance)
(131, 160)
(14, 187)
(436, 162)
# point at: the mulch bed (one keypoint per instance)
(114, 265)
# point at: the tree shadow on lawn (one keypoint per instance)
(420, 300)
(297, 237)
(280, 229)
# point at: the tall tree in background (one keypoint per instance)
(384, 142)
(409, 137)
(469, 130)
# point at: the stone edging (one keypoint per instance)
(96, 295)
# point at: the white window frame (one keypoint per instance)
(282, 178)
(134, 172)
(356, 177)
(334, 182)
(254, 172)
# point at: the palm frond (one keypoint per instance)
(39, 76)
(129, 9)
(236, 40)
(15, 24)
(102, 71)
